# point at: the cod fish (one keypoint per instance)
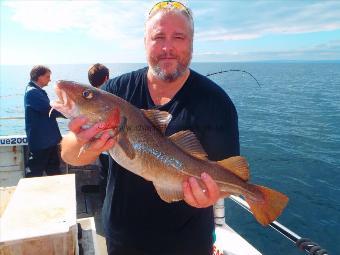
(143, 149)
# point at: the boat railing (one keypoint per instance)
(12, 118)
(305, 244)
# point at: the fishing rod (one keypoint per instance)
(234, 70)
(304, 244)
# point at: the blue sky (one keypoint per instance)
(83, 31)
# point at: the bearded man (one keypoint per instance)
(136, 220)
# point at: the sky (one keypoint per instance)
(88, 31)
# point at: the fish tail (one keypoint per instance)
(268, 205)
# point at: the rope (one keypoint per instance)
(311, 247)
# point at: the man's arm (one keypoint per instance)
(72, 143)
(38, 101)
(55, 114)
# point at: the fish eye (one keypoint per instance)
(87, 94)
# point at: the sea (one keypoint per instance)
(289, 132)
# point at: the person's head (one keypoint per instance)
(41, 75)
(169, 32)
(98, 74)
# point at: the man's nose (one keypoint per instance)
(167, 46)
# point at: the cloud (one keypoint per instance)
(119, 26)
(216, 20)
(251, 20)
(226, 35)
(331, 45)
(325, 51)
(103, 20)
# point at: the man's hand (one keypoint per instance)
(84, 136)
(199, 197)
(78, 137)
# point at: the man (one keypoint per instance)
(42, 130)
(136, 220)
(98, 75)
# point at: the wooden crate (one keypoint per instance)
(41, 217)
(5, 195)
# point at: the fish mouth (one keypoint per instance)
(64, 104)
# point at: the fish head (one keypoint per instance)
(76, 99)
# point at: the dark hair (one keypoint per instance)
(97, 74)
(38, 71)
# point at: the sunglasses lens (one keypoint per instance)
(169, 4)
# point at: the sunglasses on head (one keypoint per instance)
(170, 5)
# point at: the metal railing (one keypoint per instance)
(12, 118)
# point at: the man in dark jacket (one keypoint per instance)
(42, 130)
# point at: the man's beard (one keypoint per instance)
(182, 65)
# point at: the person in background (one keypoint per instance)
(98, 75)
(43, 134)
(136, 220)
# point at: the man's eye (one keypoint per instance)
(158, 37)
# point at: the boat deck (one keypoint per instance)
(90, 197)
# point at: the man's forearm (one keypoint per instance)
(70, 148)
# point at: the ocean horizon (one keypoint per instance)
(289, 132)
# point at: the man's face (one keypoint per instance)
(168, 44)
(43, 80)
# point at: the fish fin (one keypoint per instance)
(237, 165)
(123, 140)
(267, 209)
(160, 119)
(126, 146)
(188, 142)
(169, 195)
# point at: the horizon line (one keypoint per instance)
(240, 61)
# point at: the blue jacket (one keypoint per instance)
(42, 131)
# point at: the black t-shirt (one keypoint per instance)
(133, 213)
